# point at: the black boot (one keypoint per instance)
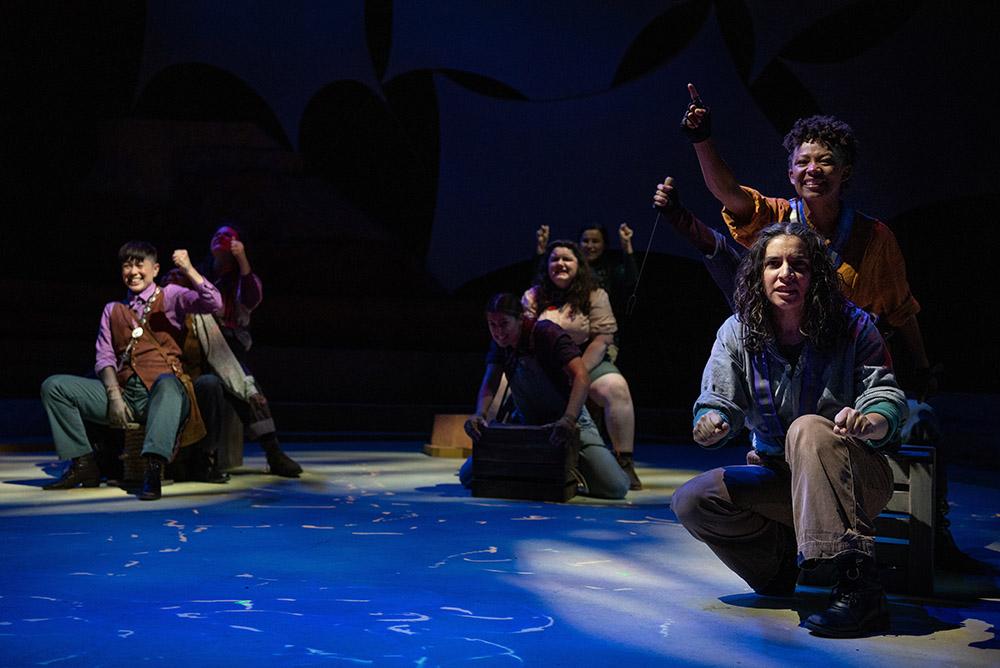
(82, 471)
(625, 461)
(278, 463)
(151, 481)
(857, 602)
(207, 469)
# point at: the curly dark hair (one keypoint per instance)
(577, 295)
(825, 315)
(832, 132)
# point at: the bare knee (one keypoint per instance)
(611, 390)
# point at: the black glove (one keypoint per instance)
(704, 129)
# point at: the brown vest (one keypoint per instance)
(146, 360)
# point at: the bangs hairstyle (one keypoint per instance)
(824, 318)
(137, 250)
(833, 133)
(505, 303)
(577, 295)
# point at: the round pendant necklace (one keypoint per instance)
(139, 330)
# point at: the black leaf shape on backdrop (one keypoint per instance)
(850, 30)
(413, 102)
(661, 40)
(736, 26)
(483, 85)
(378, 29)
(350, 137)
(200, 92)
(781, 96)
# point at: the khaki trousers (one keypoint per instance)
(818, 502)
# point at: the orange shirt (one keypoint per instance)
(873, 268)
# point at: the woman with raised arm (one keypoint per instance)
(241, 289)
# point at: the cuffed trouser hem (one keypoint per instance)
(829, 488)
(817, 549)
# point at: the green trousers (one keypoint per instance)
(69, 400)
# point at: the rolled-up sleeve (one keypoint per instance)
(766, 211)
(602, 319)
(875, 383)
(105, 350)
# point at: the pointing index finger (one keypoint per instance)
(694, 93)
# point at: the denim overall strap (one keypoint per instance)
(844, 224)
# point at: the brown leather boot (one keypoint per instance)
(82, 471)
(278, 463)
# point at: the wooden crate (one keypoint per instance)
(229, 454)
(448, 439)
(519, 462)
(904, 542)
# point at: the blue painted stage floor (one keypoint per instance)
(377, 557)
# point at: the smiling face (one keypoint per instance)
(222, 240)
(563, 267)
(592, 244)
(139, 273)
(817, 172)
(787, 273)
(505, 329)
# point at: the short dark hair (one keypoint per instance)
(506, 303)
(825, 306)
(832, 132)
(137, 250)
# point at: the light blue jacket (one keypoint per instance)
(768, 398)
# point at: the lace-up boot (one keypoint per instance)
(82, 471)
(858, 605)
